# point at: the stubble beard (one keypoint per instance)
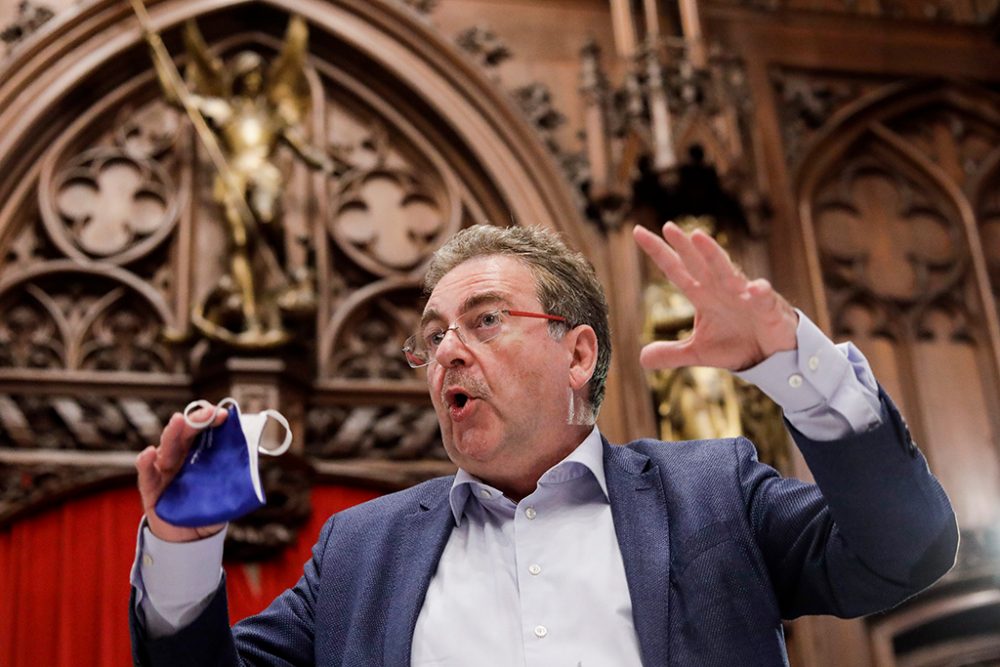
(463, 377)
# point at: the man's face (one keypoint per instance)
(503, 402)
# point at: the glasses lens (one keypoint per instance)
(484, 325)
(416, 355)
(481, 326)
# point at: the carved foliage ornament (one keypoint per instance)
(805, 103)
(484, 45)
(30, 17)
(365, 339)
(954, 137)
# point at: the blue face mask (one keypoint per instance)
(219, 480)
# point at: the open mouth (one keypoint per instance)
(460, 403)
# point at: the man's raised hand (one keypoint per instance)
(738, 322)
(157, 467)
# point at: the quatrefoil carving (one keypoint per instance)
(387, 220)
(110, 205)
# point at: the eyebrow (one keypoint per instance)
(473, 301)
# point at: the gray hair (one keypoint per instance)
(565, 281)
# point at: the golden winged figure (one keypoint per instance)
(251, 108)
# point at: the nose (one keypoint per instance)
(452, 350)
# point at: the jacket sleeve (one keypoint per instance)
(281, 635)
(877, 530)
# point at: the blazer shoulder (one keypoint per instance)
(425, 495)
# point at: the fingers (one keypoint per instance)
(178, 435)
(761, 292)
(665, 258)
(718, 262)
(686, 250)
(173, 445)
(738, 322)
(690, 261)
(156, 467)
(150, 486)
(668, 354)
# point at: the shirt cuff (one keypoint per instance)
(826, 391)
(174, 581)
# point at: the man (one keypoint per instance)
(552, 547)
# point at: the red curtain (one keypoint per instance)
(64, 578)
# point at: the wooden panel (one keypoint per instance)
(964, 452)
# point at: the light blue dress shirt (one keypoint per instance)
(539, 582)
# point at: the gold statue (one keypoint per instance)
(249, 109)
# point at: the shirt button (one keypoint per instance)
(530, 513)
(484, 493)
(813, 362)
(795, 381)
(535, 569)
(147, 559)
(541, 631)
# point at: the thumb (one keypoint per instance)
(149, 477)
(668, 354)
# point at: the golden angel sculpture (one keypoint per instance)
(250, 108)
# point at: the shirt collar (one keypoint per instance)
(588, 456)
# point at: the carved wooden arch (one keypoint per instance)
(984, 193)
(102, 41)
(864, 116)
(873, 125)
(73, 338)
(941, 364)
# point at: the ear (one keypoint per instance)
(582, 344)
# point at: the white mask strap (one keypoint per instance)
(283, 447)
(216, 409)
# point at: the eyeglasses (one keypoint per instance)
(477, 326)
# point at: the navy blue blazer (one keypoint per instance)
(717, 550)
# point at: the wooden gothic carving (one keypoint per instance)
(898, 191)
(109, 236)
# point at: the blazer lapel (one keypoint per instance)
(421, 543)
(639, 511)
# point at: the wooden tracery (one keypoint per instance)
(108, 233)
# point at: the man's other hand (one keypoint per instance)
(157, 467)
(738, 322)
